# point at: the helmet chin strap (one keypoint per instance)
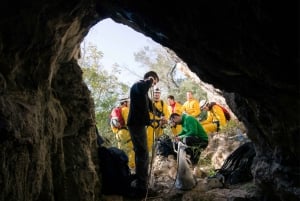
(156, 99)
(151, 92)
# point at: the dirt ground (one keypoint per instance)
(164, 173)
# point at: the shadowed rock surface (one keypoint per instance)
(249, 49)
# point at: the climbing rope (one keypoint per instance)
(153, 143)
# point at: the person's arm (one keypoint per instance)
(209, 118)
(142, 86)
(203, 115)
(189, 128)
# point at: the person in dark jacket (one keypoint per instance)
(138, 119)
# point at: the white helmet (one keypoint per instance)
(156, 90)
(123, 99)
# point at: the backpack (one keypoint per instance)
(225, 111)
(164, 146)
(237, 166)
(116, 118)
(115, 172)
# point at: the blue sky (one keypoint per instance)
(118, 43)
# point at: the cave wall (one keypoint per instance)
(47, 115)
(245, 48)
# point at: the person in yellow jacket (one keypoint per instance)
(123, 135)
(158, 119)
(174, 107)
(191, 105)
(214, 119)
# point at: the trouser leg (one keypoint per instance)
(139, 140)
(196, 144)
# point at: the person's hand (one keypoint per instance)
(154, 81)
(172, 123)
(163, 121)
(151, 78)
(177, 139)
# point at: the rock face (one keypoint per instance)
(245, 48)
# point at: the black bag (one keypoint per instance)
(164, 146)
(237, 166)
(116, 176)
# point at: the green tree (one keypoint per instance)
(104, 86)
(188, 85)
(172, 81)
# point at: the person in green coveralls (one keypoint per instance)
(192, 134)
